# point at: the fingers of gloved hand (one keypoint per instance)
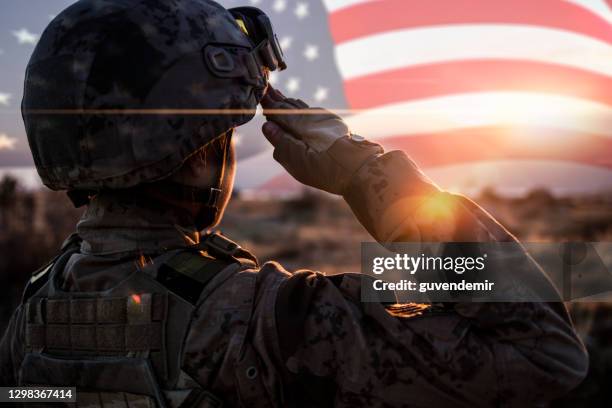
(322, 133)
(304, 164)
(275, 101)
(298, 103)
(283, 112)
(266, 100)
(288, 103)
(272, 132)
(330, 170)
(284, 115)
(319, 128)
(270, 103)
(274, 93)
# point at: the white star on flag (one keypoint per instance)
(279, 6)
(301, 10)
(237, 138)
(321, 94)
(7, 143)
(273, 78)
(25, 37)
(293, 85)
(311, 52)
(4, 98)
(285, 43)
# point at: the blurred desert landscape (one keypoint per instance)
(317, 231)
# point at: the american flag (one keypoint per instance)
(511, 94)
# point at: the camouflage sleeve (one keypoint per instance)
(411, 355)
(479, 354)
(11, 351)
(396, 202)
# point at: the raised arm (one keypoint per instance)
(462, 354)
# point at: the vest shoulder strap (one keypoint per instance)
(41, 276)
(187, 273)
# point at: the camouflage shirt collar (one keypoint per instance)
(119, 224)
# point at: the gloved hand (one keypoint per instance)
(314, 145)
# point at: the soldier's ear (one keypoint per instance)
(199, 170)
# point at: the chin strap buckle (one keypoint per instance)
(213, 197)
(224, 248)
(219, 246)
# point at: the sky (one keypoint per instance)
(16, 45)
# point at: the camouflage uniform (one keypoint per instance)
(268, 337)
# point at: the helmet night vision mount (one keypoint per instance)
(257, 26)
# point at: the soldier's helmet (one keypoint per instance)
(121, 92)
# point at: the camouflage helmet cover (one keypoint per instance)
(115, 89)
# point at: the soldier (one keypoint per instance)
(130, 105)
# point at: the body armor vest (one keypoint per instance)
(123, 347)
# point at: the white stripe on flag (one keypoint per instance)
(483, 109)
(398, 49)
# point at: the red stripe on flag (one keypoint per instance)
(497, 143)
(456, 77)
(387, 15)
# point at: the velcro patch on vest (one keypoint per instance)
(118, 324)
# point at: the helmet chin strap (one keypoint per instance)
(208, 196)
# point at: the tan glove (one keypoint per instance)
(314, 145)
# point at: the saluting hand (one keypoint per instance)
(314, 145)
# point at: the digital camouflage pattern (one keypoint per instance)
(264, 337)
(157, 53)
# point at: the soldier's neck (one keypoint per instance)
(119, 223)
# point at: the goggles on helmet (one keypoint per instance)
(257, 26)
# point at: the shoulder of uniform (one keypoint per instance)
(40, 277)
(296, 294)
